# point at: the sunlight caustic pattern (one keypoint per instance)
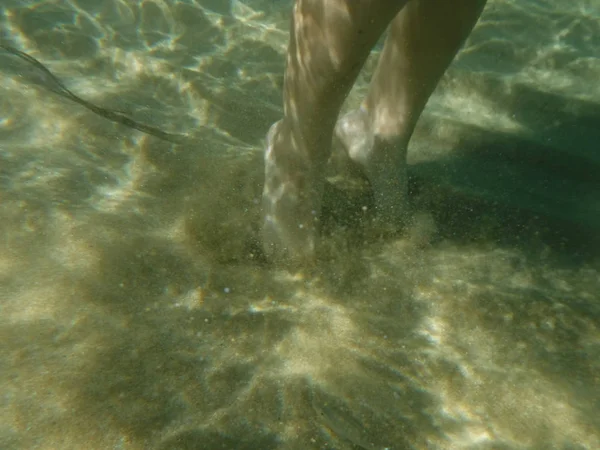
(136, 311)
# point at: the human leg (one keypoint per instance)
(329, 42)
(423, 39)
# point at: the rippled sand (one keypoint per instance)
(136, 311)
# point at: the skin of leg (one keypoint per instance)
(423, 39)
(329, 42)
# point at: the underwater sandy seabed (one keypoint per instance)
(137, 313)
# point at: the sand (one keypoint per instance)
(136, 311)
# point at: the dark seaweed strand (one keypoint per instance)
(114, 116)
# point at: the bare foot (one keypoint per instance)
(382, 162)
(291, 200)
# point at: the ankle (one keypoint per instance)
(390, 128)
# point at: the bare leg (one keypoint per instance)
(330, 40)
(423, 39)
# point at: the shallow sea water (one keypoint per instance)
(137, 313)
